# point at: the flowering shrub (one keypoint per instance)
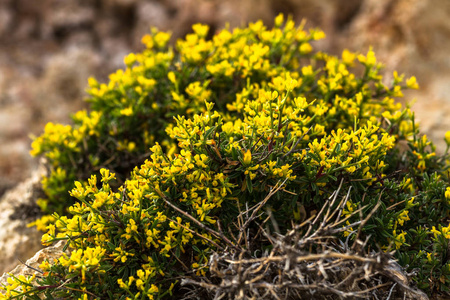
(132, 111)
(249, 126)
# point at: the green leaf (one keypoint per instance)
(249, 184)
(209, 132)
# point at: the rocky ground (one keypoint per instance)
(49, 48)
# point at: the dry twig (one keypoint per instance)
(306, 263)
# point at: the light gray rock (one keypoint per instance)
(17, 208)
(29, 268)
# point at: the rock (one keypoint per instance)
(150, 14)
(17, 209)
(67, 74)
(238, 13)
(5, 19)
(30, 267)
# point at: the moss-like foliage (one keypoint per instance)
(250, 126)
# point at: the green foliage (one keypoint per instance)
(252, 122)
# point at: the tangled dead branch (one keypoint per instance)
(308, 262)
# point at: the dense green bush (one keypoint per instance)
(248, 126)
(132, 111)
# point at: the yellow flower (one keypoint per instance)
(130, 59)
(100, 199)
(369, 60)
(45, 266)
(305, 48)
(318, 35)
(412, 83)
(350, 208)
(147, 40)
(398, 78)
(46, 240)
(106, 175)
(161, 39)
(131, 146)
(201, 160)
(93, 83)
(351, 169)
(399, 239)
(409, 203)
(140, 284)
(348, 57)
(279, 20)
(403, 217)
(349, 230)
(397, 91)
(172, 78)
(447, 138)
(247, 157)
(435, 231)
(122, 284)
(121, 255)
(290, 83)
(200, 29)
(307, 71)
(127, 111)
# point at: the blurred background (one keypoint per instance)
(48, 49)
